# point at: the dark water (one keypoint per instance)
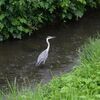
(17, 58)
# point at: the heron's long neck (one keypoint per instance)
(48, 44)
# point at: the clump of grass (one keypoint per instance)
(82, 83)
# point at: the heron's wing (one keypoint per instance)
(42, 57)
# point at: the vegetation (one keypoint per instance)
(21, 17)
(82, 83)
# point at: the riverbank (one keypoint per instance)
(82, 83)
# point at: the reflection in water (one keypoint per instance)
(17, 58)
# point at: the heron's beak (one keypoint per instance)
(53, 37)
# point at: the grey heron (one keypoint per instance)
(44, 54)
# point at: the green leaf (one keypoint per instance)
(2, 2)
(79, 13)
(82, 1)
(23, 20)
(20, 28)
(26, 30)
(1, 26)
(2, 16)
(15, 22)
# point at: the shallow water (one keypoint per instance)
(17, 58)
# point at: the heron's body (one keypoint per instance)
(44, 55)
(41, 59)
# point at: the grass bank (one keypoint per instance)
(82, 83)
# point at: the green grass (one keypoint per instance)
(82, 83)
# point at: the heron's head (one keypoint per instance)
(50, 37)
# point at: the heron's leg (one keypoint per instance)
(44, 61)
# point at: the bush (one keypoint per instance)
(21, 17)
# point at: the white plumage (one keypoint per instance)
(44, 55)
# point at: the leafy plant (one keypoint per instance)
(21, 17)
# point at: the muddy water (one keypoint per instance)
(17, 58)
